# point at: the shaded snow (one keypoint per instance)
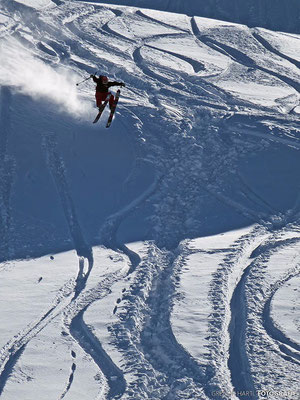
(158, 259)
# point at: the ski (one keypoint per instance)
(101, 108)
(113, 108)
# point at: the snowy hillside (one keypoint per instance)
(159, 258)
(273, 14)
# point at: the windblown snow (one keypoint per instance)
(157, 259)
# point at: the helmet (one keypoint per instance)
(104, 79)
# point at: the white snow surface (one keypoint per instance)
(157, 259)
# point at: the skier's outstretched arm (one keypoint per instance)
(122, 84)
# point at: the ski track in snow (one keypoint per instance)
(82, 334)
(11, 352)
(57, 169)
(254, 283)
(197, 146)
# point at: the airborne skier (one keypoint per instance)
(102, 90)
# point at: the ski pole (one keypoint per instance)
(79, 83)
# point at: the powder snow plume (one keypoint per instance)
(31, 76)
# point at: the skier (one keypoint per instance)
(103, 84)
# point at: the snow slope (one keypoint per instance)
(273, 14)
(159, 258)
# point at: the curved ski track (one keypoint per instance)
(260, 330)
